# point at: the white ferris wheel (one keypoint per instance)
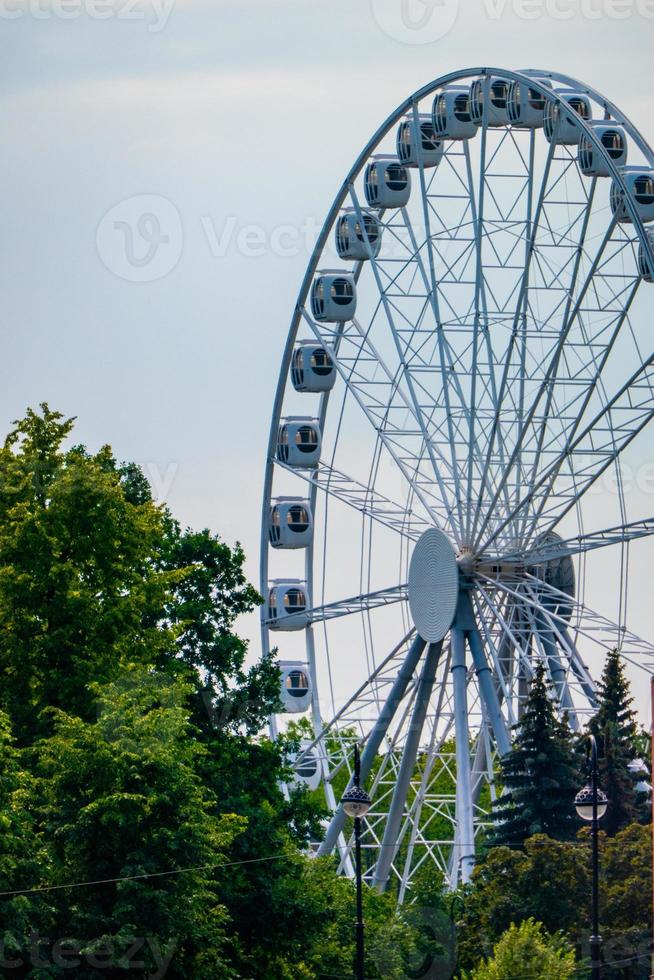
(469, 359)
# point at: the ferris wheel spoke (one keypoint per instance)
(544, 632)
(545, 391)
(592, 626)
(408, 379)
(581, 543)
(377, 734)
(600, 444)
(354, 605)
(515, 338)
(480, 323)
(554, 632)
(595, 382)
(390, 840)
(360, 497)
(432, 288)
(396, 437)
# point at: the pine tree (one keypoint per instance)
(614, 726)
(540, 776)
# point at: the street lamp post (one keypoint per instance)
(591, 804)
(356, 804)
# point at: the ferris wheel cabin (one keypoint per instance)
(451, 114)
(295, 693)
(640, 188)
(333, 296)
(498, 96)
(526, 105)
(307, 769)
(288, 603)
(387, 183)
(298, 442)
(291, 523)
(419, 144)
(592, 161)
(357, 238)
(561, 126)
(312, 368)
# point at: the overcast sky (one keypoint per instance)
(243, 116)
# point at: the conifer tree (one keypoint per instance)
(540, 776)
(614, 726)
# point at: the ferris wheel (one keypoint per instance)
(469, 364)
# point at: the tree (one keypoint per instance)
(139, 759)
(528, 951)
(539, 776)
(122, 799)
(626, 902)
(547, 880)
(23, 857)
(79, 594)
(615, 728)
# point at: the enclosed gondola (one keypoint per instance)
(561, 124)
(295, 693)
(640, 188)
(418, 144)
(387, 183)
(358, 235)
(298, 442)
(288, 603)
(451, 114)
(498, 96)
(526, 104)
(334, 296)
(291, 523)
(312, 368)
(592, 161)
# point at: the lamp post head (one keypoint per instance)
(584, 803)
(356, 802)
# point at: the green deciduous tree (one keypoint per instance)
(548, 881)
(626, 902)
(540, 775)
(614, 726)
(122, 798)
(79, 594)
(528, 950)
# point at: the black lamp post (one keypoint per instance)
(591, 804)
(356, 804)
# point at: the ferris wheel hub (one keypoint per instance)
(433, 585)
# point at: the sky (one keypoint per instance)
(234, 123)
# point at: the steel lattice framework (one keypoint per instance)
(497, 367)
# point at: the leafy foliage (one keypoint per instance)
(548, 881)
(527, 950)
(121, 798)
